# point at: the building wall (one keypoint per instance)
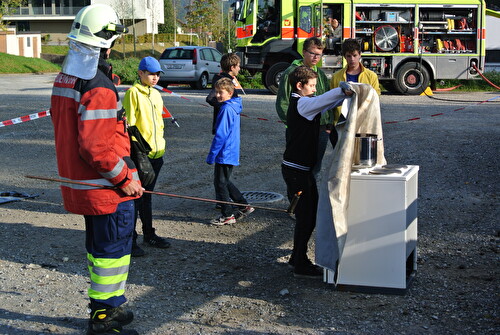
(27, 45)
(58, 19)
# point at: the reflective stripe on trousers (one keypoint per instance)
(108, 243)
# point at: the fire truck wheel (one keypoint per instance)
(412, 79)
(273, 75)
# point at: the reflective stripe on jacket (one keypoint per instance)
(144, 107)
(92, 144)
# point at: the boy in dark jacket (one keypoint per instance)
(225, 152)
(303, 121)
(230, 65)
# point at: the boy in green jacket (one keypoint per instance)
(312, 51)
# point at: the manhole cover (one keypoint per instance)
(261, 196)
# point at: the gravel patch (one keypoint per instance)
(234, 279)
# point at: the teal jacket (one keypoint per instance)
(284, 91)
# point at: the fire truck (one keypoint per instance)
(409, 45)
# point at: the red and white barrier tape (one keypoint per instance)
(166, 114)
(25, 118)
(161, 88)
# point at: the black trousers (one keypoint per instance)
(305, 211)
(144, 205)
(225, 190)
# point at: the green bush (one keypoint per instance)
(126, 69)
(248, 81)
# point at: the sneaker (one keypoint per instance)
(157, 241)
(308, 271)
(244, 212)
(136, 250)
(223, 220)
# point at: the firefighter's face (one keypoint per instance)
(312, 56)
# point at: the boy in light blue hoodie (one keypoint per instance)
(225, 153)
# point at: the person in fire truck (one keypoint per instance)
(299, 158)
(354, 71)
(312, 51)
(93, 146)
(333, 33)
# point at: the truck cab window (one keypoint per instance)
(267, 21)
(305, 16)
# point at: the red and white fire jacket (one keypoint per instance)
(92, 144)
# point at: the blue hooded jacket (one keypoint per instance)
(225, 147)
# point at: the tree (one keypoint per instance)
(7, 7)
(204, 17)
(169, 25)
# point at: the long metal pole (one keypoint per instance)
(290, 209)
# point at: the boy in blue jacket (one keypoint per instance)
(225, 153)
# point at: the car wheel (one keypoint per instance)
(412, 78)
(202, 83)
(273, 76)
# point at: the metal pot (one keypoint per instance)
(365, 150)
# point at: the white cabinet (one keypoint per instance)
(380, 253)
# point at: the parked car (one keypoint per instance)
(194, 65)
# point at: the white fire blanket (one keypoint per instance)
(363, 116)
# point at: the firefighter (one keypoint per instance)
(92, 145)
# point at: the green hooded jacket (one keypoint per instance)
(284, 91)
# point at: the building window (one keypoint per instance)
(23, 26)
(28, 42)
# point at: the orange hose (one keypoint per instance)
(447, 89)
(486, 79)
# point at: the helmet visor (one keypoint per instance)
(81, 61)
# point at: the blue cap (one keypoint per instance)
(150, 64)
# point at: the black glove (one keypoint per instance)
(144, 167)
(139, 153)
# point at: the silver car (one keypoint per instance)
(194, 65)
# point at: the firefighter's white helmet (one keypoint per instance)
(97, 25)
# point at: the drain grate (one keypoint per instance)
(262, 196)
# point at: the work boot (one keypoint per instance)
(110, 321)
